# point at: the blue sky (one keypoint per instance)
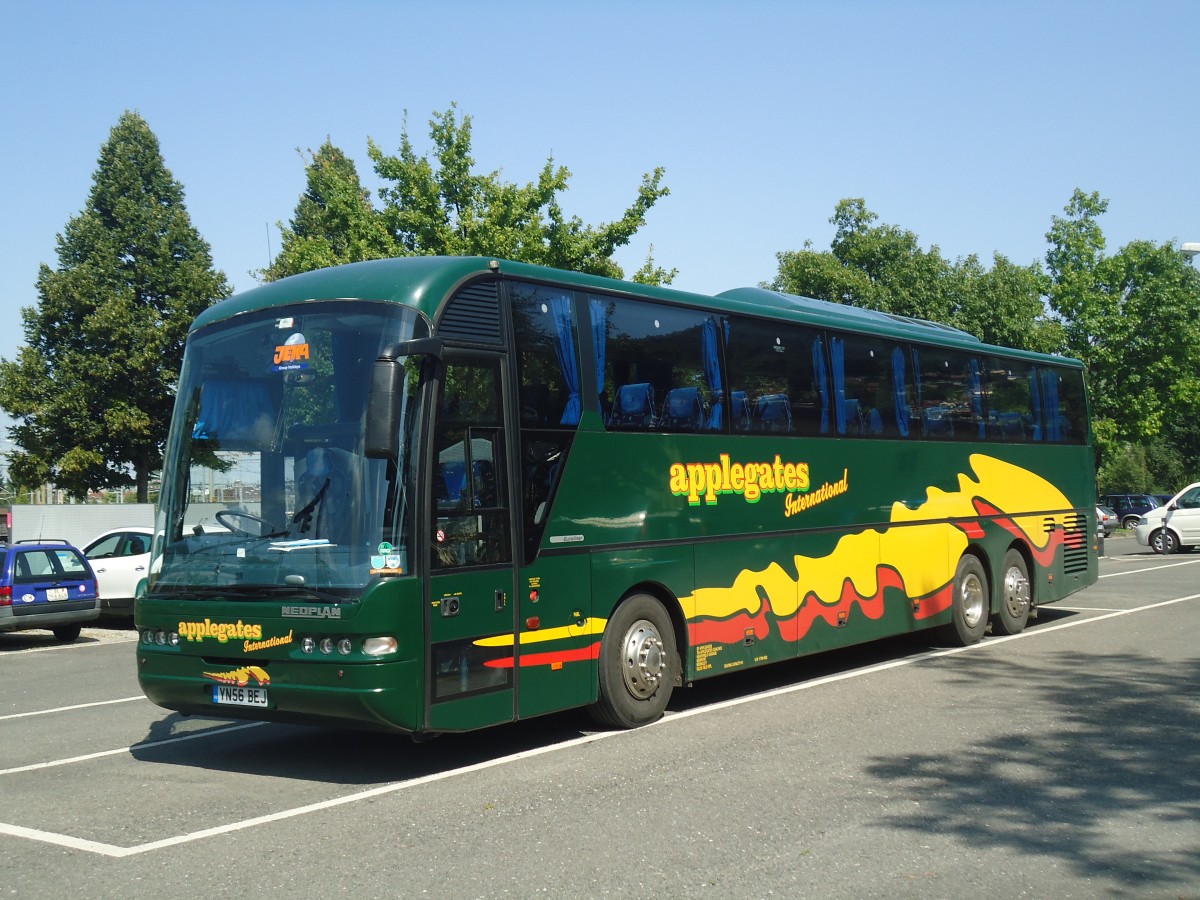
(967, 123)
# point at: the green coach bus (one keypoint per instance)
(471, 491)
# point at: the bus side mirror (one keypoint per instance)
(382, 434)
(382, 437)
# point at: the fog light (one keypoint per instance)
(344, 646)
(326, 645)
(308, 645)
(379, 646)
(173, 639)
(148, 636)
(160, 638)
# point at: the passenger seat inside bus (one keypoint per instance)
(773, 413)
(740, 417)
(683, 410)
(634, 407)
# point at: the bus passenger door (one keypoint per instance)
(469, 608)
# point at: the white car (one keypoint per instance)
(1174, 526)
(120, 559)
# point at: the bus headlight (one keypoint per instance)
(380, 646)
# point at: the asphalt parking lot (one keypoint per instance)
(1057, 763)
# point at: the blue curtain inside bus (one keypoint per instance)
(564, 348)
(710, 350)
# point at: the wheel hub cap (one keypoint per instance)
(972, 600)
(1016, 591)
(644, 659)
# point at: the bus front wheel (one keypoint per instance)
(638, 664)
(969, 605)
(1015, 599)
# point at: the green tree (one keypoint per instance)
(884, 267)
(92, 390)
(1133, 318)
(334, 221)
(442, 206)
(1124, 470)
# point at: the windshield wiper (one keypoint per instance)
(275, 591)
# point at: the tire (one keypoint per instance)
(1016, 596)
(1130, 522)
(969, 607)
(1164, 541)
(67, 633)
(638, 664)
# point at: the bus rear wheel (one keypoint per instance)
(969, 606)
(638, 664)
(1015, 599)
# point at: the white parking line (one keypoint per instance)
(55, 648)
(46, 712)
(50, 764)
(1190, 562)
(111, 850)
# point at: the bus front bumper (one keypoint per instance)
(376, 696)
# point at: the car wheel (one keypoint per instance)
(1130, 521)
(1164, 542)
(67, 633)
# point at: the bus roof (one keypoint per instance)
(424, 282)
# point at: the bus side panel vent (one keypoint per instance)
(1075, 544)
(472, 315)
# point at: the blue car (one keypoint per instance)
(46, 584)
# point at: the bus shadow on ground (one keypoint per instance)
(346, 757)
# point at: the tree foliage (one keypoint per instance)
(440, 204)
(1133, 317)
(883, 267)
(92, 389)
(334, 222)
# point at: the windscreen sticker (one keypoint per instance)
(292, 354)
(386, 561)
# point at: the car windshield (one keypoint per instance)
(266, 488)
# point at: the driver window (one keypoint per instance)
(1190, 499)
(470, 494)
(107, 548)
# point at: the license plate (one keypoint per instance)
(57, 593)
(239, 696)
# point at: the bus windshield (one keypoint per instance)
(266, 489)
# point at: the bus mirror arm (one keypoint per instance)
(382, 437)
(428, 346)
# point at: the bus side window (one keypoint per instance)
(950, 394)
(871, 387)
(1009, 413)
(778, 379)
(658, 366)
